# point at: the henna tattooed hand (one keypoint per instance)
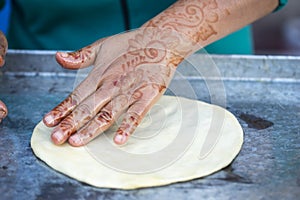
(131, 71)
(3, 50)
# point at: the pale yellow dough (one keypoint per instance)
(179, 140)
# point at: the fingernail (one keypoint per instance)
(120, 139)
(75, 140)
(49, 120)
(58, 137)
(63, 54)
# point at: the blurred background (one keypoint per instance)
(4, 14)
(276, 34)
(279, 32)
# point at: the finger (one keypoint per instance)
(83, 90)
(135, 114)
(83, 113)
(63, 109)
(130, 122)
(81, 58)
(101, 122)
(3, 111)
(104, 119)
(3, 48)
(92, 129)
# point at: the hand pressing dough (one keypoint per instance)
(179, 140)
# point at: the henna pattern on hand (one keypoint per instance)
(147, 50)
(149, 62)
(193, 18)
(132, 70)
(128, 126)
(60, 111)
(81, 54)
(140, 74)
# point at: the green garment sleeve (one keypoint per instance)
(281, 4)
(2, 3)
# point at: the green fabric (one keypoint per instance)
(239, 42)
(2, 3)
(143, 10)
(72, 24)
(281, 4)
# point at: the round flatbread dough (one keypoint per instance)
(178, 140)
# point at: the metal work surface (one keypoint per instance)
(262, 92)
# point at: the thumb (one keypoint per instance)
(81, 58)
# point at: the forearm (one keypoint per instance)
(206, 21)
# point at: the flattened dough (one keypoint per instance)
(179, 140)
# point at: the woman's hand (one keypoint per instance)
(3, 50)
(131, 71)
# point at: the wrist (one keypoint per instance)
(176, 45)
(191, 20)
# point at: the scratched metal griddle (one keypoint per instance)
(262, 92)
